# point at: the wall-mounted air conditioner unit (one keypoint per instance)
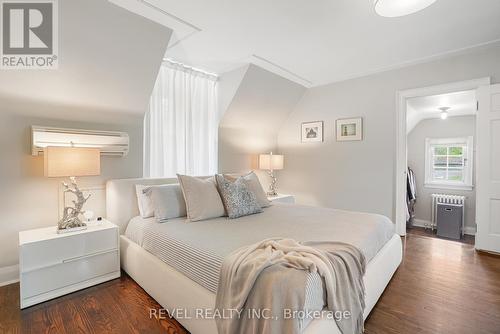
(109, 142)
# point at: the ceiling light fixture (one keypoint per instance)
(395, 8)
(444, 112)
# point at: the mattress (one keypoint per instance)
(197, 249)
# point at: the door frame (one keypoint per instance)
(401, 138)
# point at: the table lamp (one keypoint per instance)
(71, 162)
(271, 162)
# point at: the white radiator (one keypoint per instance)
(446, 199)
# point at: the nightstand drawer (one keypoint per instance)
(70, 272)
(46, 253)
(52, 264)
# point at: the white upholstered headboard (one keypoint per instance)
(121, 199)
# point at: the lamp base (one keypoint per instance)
(70, 221)
(272, 185)
(71, 229)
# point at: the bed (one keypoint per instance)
(177, 263)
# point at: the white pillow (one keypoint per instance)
(202, 197)
(144, 202)
(168, 202)
(253, 184)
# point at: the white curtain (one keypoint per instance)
(181, 126)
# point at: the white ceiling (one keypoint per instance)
(317, 42)
(420, 108)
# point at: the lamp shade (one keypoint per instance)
(71, 161)
(271, 161)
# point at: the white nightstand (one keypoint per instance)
(281, 198)
(52, 265)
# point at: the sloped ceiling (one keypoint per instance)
(253, 118)
(108, 60)
(427, 107)
(228, 85)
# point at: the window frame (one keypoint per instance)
(467, 184)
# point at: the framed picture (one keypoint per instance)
(350, 129)
(312, 132)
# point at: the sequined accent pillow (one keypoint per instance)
(253, 184)
(238, 200)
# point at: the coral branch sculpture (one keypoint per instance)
(70, 219)
(272, 185)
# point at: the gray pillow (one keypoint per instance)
(238, 200)
(168, 202)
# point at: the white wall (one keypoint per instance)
(28, 199)
(360, 175)
(108, 62)
(253, 117)
(453, 127)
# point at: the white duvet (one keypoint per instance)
(197, 249)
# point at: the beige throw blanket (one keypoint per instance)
(258, 282)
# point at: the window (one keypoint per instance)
(181, 125)
(449, 163)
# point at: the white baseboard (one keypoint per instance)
(421, 222)
(469, 230)
(9, 275)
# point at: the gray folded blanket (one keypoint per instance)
(260, 285)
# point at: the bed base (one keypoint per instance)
(175, 292)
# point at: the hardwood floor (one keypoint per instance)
(441, 287)
(118, 306)
(467, 239)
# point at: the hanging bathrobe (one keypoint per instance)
(411, 196)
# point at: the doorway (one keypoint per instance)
(441, 194)
(401, 141)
